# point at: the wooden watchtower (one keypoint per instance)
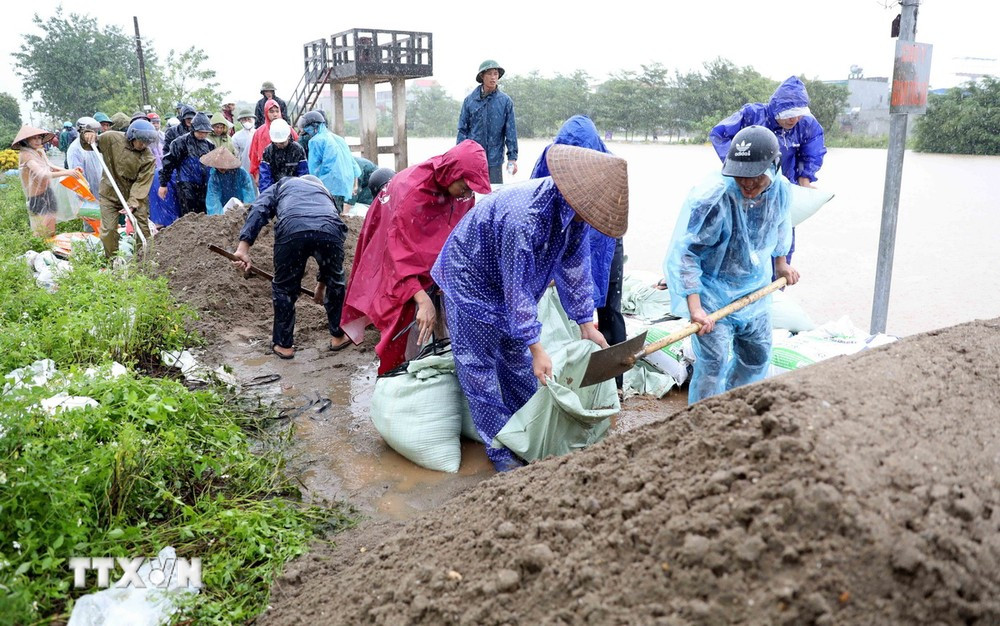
(365, 57)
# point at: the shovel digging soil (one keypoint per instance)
(254, 271)
(610, 362)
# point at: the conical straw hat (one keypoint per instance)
(31, 131)
(594, 183)
(221, 159)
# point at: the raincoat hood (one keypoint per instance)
(219, 118)
(120, 121)
(201, 123)
(466, 160)
(187, 111)
(267, 107)
(790, 94)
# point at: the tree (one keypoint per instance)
(965, 120)
(432, 113)
(10, 119)
(74, 65)
(541, 105)
(703, 99)
(826, 102)
(617, 103)
(184, 77)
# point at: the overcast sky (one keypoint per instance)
(820, 39)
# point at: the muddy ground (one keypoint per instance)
(338, 455)
(859, 490)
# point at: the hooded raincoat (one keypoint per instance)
(402, 235)
(277, 163)
(88, 161)
(133, 173)
(493, 270)
(180, 129)
(261, 140)
(37, 181)
(226, 140)
(721, 249)
(580, 131)
(364, 195)
(802, 146)
(331, 161)
(489, 121)
(183, 164)
(224, 185)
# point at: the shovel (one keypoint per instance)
(118, 192)
(254, 270)
(610, 362)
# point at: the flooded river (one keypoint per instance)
(947, 260)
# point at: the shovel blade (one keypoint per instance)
(610, 362)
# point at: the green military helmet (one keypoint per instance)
(488, 64)
(266, 86)
(101, 117)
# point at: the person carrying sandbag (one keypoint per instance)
(496, 264)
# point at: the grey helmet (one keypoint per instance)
(143, 131)
(87, 123)
(379, 179)
(312, 117)
(751, 152)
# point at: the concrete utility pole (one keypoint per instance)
(142, 63)
(893, 180)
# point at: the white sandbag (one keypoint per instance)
(787, 313)
(838, 338)
(805, 201)
(672, 360)
(420, 413)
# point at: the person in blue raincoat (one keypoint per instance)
(226, 180)
(729, 229)
(184, 159)
(330, 159)
(498, 261)
(606, 253)
(487, 118)
(799, 135)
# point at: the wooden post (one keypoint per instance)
(399, 126)
(369, 119)
(337, 93)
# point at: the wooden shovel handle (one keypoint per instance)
(694, 327)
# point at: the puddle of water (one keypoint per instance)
(347, 459)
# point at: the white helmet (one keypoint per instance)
(280, 131)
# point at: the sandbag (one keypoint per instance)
(832, 339)
(674, 359)
(557, 329)
(420, 412)
(561, 417)
(788, 314)
(803, 202)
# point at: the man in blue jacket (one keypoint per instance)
(787, 115)
(306, 225)
(488, 119)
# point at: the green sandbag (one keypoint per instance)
(420, 413)
(561, 417)
(557, 329)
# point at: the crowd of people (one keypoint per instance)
(430, 258)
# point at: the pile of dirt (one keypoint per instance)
(220, 294)
(861, 489)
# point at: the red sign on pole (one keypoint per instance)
(910, 77)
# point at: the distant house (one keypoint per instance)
(867, 111)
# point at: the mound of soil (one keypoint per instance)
(859, 490)
(210, 284)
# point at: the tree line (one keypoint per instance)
(75, 67)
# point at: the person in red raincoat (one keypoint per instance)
(402, 236)
(262, 137)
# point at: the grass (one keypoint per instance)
(153, 464)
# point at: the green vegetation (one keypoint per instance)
(154, 464)
(77, 67)
(856, 141)
(965, 120)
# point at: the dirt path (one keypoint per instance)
(861, 489)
